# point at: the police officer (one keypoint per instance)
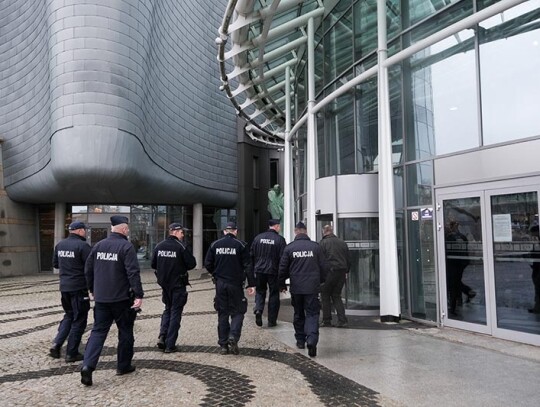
(266, 251)
(172, 259)
(303, 262)
(69, 256)
(113, 277)
(227, 260)
(336, 253)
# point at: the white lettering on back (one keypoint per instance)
(66, 253)
(226, 250)
(107, 256)
(166, 253)
(305, 253)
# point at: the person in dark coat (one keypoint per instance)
(172, 259)
(113, 278)
(303, 262)
(266, 251)
(336, 253)
(69, 257)
(227, 261)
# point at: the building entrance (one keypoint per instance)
(489, 259)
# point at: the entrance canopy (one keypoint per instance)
(257, 41)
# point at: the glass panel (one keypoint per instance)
(367, 126)
(338, 49)
(420, 9)
(422, 266)
(510, 73)
(464, 260)
(403, 286)
(419, 183)
(516, 251)
(362, 286)
(365, 28)
(393, 17)
(444, 98)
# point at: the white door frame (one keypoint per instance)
(484, 191)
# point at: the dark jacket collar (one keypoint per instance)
(118, 235)
(74, 236)
(301, 236)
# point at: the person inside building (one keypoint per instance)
(266, 251)
(336, 253)
(172, 258)
(69, 257)
(227, 261)
(113, 279)
(303, 262)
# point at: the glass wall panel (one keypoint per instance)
(319, 71)
(366, 125)
(516, 259)
(443, 89)
(396, 113)
(422, 266)
(510, 73)
(420, 9)
(419, 183)
(401, 258)
(365, 28)
(338, 51)
(362, 237)
(393, 18)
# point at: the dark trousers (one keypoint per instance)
(174, 299)
(307, 309)
(269, 281)
(231, 306)
(331, 295)
(73, 324)
(455, 287)
(104, 315)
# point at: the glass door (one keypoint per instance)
(462, 266)
(515, 253)
(488, 245)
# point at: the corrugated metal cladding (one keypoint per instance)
(114, 101)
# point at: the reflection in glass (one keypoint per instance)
(444, 97)
(362, 237)
(516, 251)
(510, 73)
(464, 261)
(419, 182)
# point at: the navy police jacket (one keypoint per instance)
(266, 251)
(112, 270)
(172, 259)
(227, 259)
(69, 256)
(303, 262)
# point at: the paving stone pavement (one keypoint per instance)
(266, 373)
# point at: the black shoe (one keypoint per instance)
(325, 324)
(54, 351)
(233, 346)
(161, 342)
(271, 324)
(312, 350)
(86, 375)
(224, 350)
(171, 350)
(75, 358)
(342, 325)
(127, 370)
(300, 345)
(258, 318)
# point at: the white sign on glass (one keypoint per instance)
(502, 228)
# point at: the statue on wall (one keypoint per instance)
(275, 203)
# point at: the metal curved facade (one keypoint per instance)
(114, 101)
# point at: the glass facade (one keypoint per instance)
(473, 89)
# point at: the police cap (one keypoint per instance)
(76, 225)
(176, 226)
(273, 222)
(301, 225)
(118, 220)
(231, 225)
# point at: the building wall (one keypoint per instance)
(114, 102)
(18, 237)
